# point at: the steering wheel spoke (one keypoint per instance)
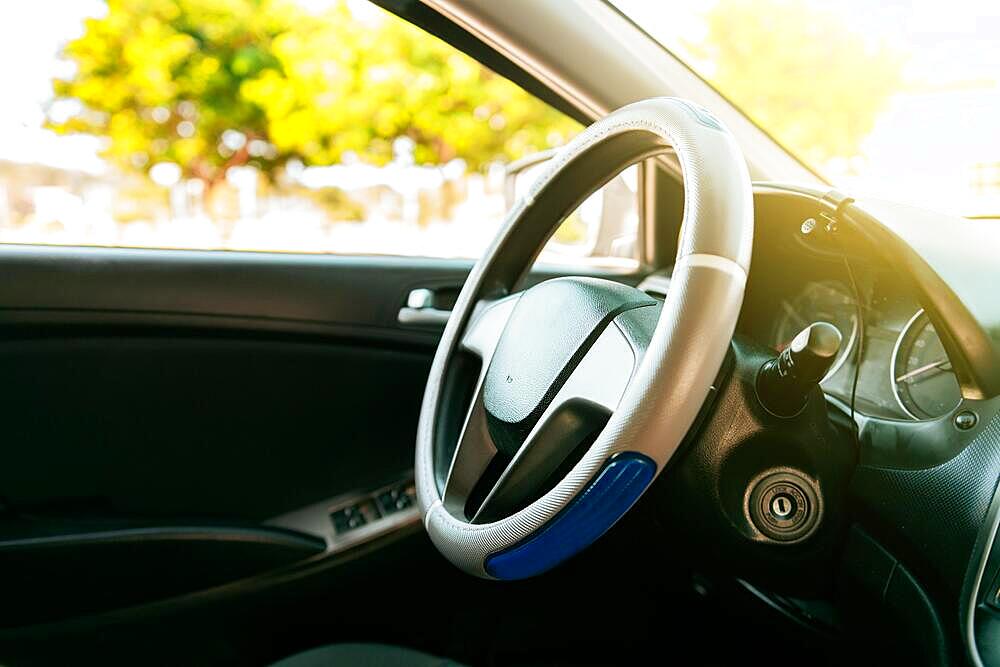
(579, 410)
(473, 454)
(474, 449)
(486, 325)
(485, 483)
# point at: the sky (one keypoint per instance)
(31, 34)
(949, 43)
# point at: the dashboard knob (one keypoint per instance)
(784, 383)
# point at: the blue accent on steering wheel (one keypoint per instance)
(588, 516)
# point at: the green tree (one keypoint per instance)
(210, 84)
(800, 72)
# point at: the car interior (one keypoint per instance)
(773, 436)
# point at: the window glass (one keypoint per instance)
(272, 125)
(896, 99)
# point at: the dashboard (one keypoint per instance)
(892, 362)
(925, 388)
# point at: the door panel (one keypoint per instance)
(158, 424)
(196, 394)
(51, 572)
(325, 295)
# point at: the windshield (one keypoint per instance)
(897, 99)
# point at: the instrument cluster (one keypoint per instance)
(903, 370)
(891, 363)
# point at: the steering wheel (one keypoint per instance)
(548, 412)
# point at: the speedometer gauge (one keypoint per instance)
(827, 301)
(922, 378)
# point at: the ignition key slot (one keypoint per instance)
(784, 505)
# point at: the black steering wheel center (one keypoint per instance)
(550, 330)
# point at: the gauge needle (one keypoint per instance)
(800, 321)
(923, 369)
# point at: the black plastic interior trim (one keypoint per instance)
(354, 297)
(919, 445)
(668, 214)
(980, 615)
(931, 518)
(886, 607)
(79, 570)
(296, 579)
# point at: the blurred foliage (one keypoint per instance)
(209, 84)
(572, 230)
(781, 60)
(337, 204)
(138, 200)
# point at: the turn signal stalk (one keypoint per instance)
(784, 383)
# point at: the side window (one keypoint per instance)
(277, 125)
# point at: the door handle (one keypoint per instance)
(420, 310)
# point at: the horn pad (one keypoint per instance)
(549, 332)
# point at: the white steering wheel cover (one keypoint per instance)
(688, 346)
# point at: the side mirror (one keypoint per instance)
(605, 225)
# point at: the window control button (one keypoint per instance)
(348, 518)
(371, 509)
(387, 502)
